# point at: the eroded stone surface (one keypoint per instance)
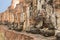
(13, 35)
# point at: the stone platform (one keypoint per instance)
(6, 34)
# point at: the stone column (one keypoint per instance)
(25, 18)
(58, 22)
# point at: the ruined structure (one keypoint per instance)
(35, 16)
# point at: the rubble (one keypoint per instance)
(58, 36)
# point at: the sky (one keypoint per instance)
(4, 4)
